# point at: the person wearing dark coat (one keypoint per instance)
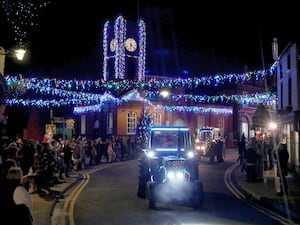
(67, 157)
(251, 160)
(15, 200)
(251, 157)
(242, 153)
(282, 157)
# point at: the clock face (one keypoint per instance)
(130, 45)
(113, 45)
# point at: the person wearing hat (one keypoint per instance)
(282, 157)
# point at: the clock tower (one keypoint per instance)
(124, 50)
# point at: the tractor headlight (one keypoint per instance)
(171, 175)
(151, 154)
(175, 175)
(190, 154)
(179, 175)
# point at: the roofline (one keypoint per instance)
(286, 48)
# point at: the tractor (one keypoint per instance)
(167, 169)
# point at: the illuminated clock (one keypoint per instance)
(130, 45)
(113, 45)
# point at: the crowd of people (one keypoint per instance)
(15, 204)
(259, 154)
(49, 162)
(28, 167)
(34, 166)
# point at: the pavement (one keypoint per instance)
(263, 191)
(44, 204)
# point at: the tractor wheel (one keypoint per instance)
(143, 178)
(197, 194)
(151, 195)
(141, 189)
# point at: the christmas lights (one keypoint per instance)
(21, 15)
(92, 93)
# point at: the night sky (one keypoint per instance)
(211, 37)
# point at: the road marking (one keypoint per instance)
(69, 204)
(78, 191)
(238, 194)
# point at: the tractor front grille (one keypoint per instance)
(175, 164)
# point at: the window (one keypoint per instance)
(131, 122)
(83, 124)
(289, 63)
(157, 119)
(109, 129)
(96, 124)
(201, 121)
(290, 91)
(280, 71)
(221, 122)
(281, 95)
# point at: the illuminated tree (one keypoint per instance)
(142, 130)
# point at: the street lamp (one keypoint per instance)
(165, 94)
(18, 53)
(273, 126)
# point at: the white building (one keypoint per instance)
(288, 92)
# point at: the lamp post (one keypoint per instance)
(2, 59)
(18, 53)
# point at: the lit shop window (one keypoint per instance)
(157, 119)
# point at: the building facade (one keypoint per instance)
(288, 91)
(124, 52)
(124, 64)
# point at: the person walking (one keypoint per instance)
(282, 157)
(261, 158)
(270, 152)
(61, 161)
(242, 153)
(67, 157)
(252, 159)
